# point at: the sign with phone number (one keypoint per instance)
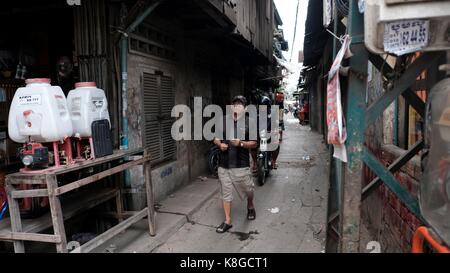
(406, 36)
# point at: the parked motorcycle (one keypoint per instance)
(264, 159)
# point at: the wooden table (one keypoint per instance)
(28, 230)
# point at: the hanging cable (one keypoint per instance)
(295, 30)
(340, 39)
(342, 7)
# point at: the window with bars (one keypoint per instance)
(151, 41)
(159, 100)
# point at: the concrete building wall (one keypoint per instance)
(194, 75)
(168, 176)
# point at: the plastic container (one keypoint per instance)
(39, 113)
(87, 104)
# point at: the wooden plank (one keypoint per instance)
(102, 238)
(56, 213)
(114, 215)
(29, 193)
(76, 204)
(119, 202)
(93, 178)
(27, 180)
(118, 154)
(150, 198)
(22, 236)
(14, 216)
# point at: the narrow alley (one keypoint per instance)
(134, 126)
(290, 208)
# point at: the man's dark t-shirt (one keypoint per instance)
(235, 157)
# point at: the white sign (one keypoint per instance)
(30, 99)
(407, 36)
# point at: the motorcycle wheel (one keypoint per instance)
(213, 161)
(261, 173)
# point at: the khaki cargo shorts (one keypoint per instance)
(239, 178)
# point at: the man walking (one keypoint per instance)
(234, 166)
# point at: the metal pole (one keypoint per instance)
(124, 79)
(337, 161)
(124, 88)
(356, 110)
(395, 133)
(124, 69)
(336, 166)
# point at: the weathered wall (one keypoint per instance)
(393, 225)
(195, 75)
(168, 176)
(388, 124)
(255, 23)
(314, 87)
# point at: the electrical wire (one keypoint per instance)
(295, 30)
(340, 39)
(342, 7)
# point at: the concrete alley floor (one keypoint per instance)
(290, 209)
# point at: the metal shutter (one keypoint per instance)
(159, 100)
(167, 100)
(167, 96)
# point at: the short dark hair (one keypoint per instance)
(240, 99)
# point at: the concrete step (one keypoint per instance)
(170, 218)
